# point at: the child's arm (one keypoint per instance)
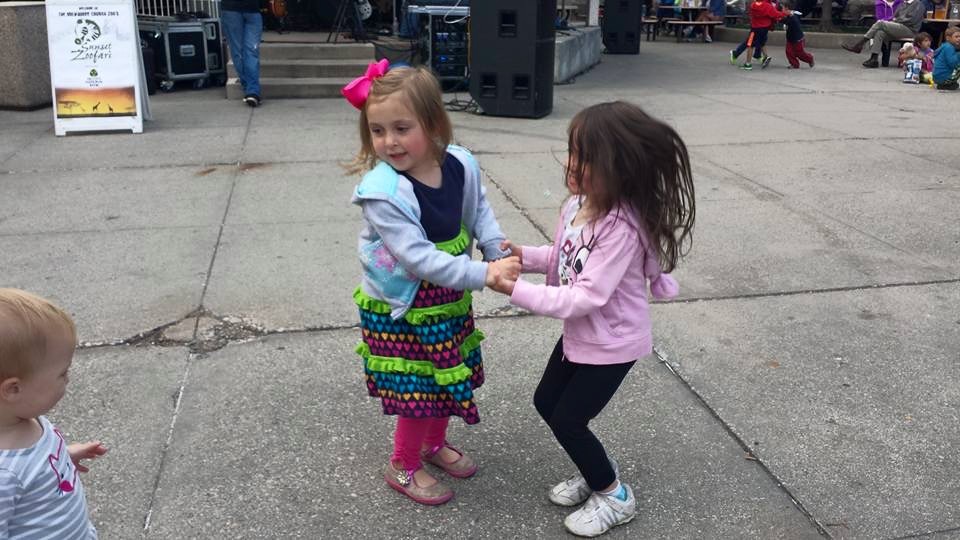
(88, 450)
(771, 11)
(487, 231)
(533, 258)
(418, 255)
(612, 255)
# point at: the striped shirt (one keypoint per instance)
(40, 492)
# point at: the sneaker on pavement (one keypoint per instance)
(574, 490)
(707, 38)
(733, 59)
(746, 67)
(765, 62)
(811, 61)
(252, 100)
(601, 513)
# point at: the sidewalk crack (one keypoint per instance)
(742, 443)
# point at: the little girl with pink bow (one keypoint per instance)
(424, 207)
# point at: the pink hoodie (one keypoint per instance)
(606, 317)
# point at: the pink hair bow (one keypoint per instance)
(357, 91)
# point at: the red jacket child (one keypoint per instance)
(763, 14)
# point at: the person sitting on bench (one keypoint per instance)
(905, 24)
(715, 12)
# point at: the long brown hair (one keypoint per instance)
(638, 162)
(420, 89)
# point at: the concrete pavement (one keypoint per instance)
(806, 383)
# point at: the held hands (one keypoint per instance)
(514, 249)
(502, 274)
(81, 451)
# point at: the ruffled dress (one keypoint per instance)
(428, 363)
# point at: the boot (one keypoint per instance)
(871, 62)
(855, 46)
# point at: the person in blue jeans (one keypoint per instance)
(243, 26)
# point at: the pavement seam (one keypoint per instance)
(223, 222)
(827, 290)
(45, 132)
(926, 533)
(156, 337)
(743, 445)
(516, 205)
(807, 207)
(166, 447)
(168, 166)
(876, 238)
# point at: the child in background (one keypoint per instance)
(423, 207)
(41, 495)
(795, 41)
(630, 210)
(911, 63)
(763, 14)
(925, 53)
(946, 61)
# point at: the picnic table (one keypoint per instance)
(687, 12)
(688, 15)
(679, 24)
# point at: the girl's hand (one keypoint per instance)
(507, 268)
(89, 450)
(514, 249)
(504, 286)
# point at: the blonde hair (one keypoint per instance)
(27, 324)
(421, 91)
(951, 31)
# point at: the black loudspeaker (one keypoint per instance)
(622, 21)
(511, 56)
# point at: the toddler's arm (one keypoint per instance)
(88, 450)
(418, 255)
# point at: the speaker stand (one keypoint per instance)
(359, 33)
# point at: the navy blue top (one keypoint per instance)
(794, 31)
(441, 209)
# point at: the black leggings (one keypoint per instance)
(568, 397)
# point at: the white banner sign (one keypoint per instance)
(95, 65)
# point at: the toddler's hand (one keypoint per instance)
(504, 286)
(89, 450)
(514, 249)
(505, 268)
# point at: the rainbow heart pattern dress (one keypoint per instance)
(427, 363)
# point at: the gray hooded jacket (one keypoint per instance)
(394, 250)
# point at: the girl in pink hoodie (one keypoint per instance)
(625, 225)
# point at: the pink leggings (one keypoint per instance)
(413, 434)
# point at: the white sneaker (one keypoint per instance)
(574, 490)
(601, 513)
